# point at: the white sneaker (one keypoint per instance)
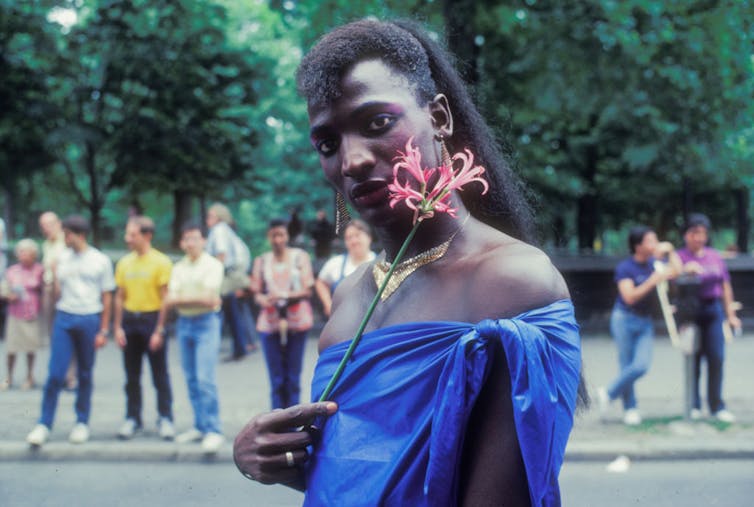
(79, 434)
(128, 430)
(695, 414)
(192, 435)
(38, 435)
(632, 417)
(165, 429)
(212, 442)
(603, 400)
(725, 416)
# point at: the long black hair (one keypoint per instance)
(411, 51)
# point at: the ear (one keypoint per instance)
(442, 118)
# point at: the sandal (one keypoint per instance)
(5, 385)
(29, 384)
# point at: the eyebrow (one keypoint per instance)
(319, 130)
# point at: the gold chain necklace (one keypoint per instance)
(405, 268)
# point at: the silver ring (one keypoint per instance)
(248, 475)
(289, 458)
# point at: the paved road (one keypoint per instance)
(244, 389)
(656, 484)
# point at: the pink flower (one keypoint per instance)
(435, 184)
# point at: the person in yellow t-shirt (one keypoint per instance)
(142, 278)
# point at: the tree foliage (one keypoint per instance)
(614, 112)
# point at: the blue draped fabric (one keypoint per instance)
(405, 398)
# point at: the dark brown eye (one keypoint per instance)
(326, 147)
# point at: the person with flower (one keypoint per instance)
(463, 389)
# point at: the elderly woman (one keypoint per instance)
(464, 387)
(22, 288)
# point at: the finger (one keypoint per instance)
(270, 446)
(297, 415)
(290, 459)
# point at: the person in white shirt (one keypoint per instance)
(358, 240)
(84, 283)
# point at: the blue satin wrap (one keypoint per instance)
(405, 398)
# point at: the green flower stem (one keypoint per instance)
(355, 342)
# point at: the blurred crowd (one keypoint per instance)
(67, 295)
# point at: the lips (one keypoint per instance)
(370, 193)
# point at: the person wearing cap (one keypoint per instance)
(83, 284)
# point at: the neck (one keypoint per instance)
(193, 256)
(279, 254)
(431, 232)
(358, 258)
(641, 258)
(143, 250)
(79, 247)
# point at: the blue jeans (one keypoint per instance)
(238, 315)
(71, 334)
(284, 366)
(633, 336)
(138, 328)
(712, 348)
(199, 338)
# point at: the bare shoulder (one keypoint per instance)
(515, 277)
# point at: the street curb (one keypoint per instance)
(113, 452)
(659, 450)
(169, 452)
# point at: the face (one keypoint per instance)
(192, 242)
(360, 133)
(648, 244)
(27, 256)
(357, 241)
(49, 224)
(134, 237)
(211, 218)
(278, 238)
(696, 238)
(71, 238)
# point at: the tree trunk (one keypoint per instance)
(181, 214)
(742, 219)
(8, 207)
(688, 198)
(459, 20)
(587, 221)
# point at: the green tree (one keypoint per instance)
(157, 99)
(27, 56)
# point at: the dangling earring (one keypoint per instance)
(342, 215)
(444, 154)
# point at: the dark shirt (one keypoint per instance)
(638, 273)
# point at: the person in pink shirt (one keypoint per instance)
(715, 305)
(22, 287)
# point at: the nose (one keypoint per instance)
(356, 159)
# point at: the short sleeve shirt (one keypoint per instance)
(715, 272)
(292, 275)
(26, 283)
(202, 276)
(142, 277)
(333, 271)
(83, 277)
(637, 273)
